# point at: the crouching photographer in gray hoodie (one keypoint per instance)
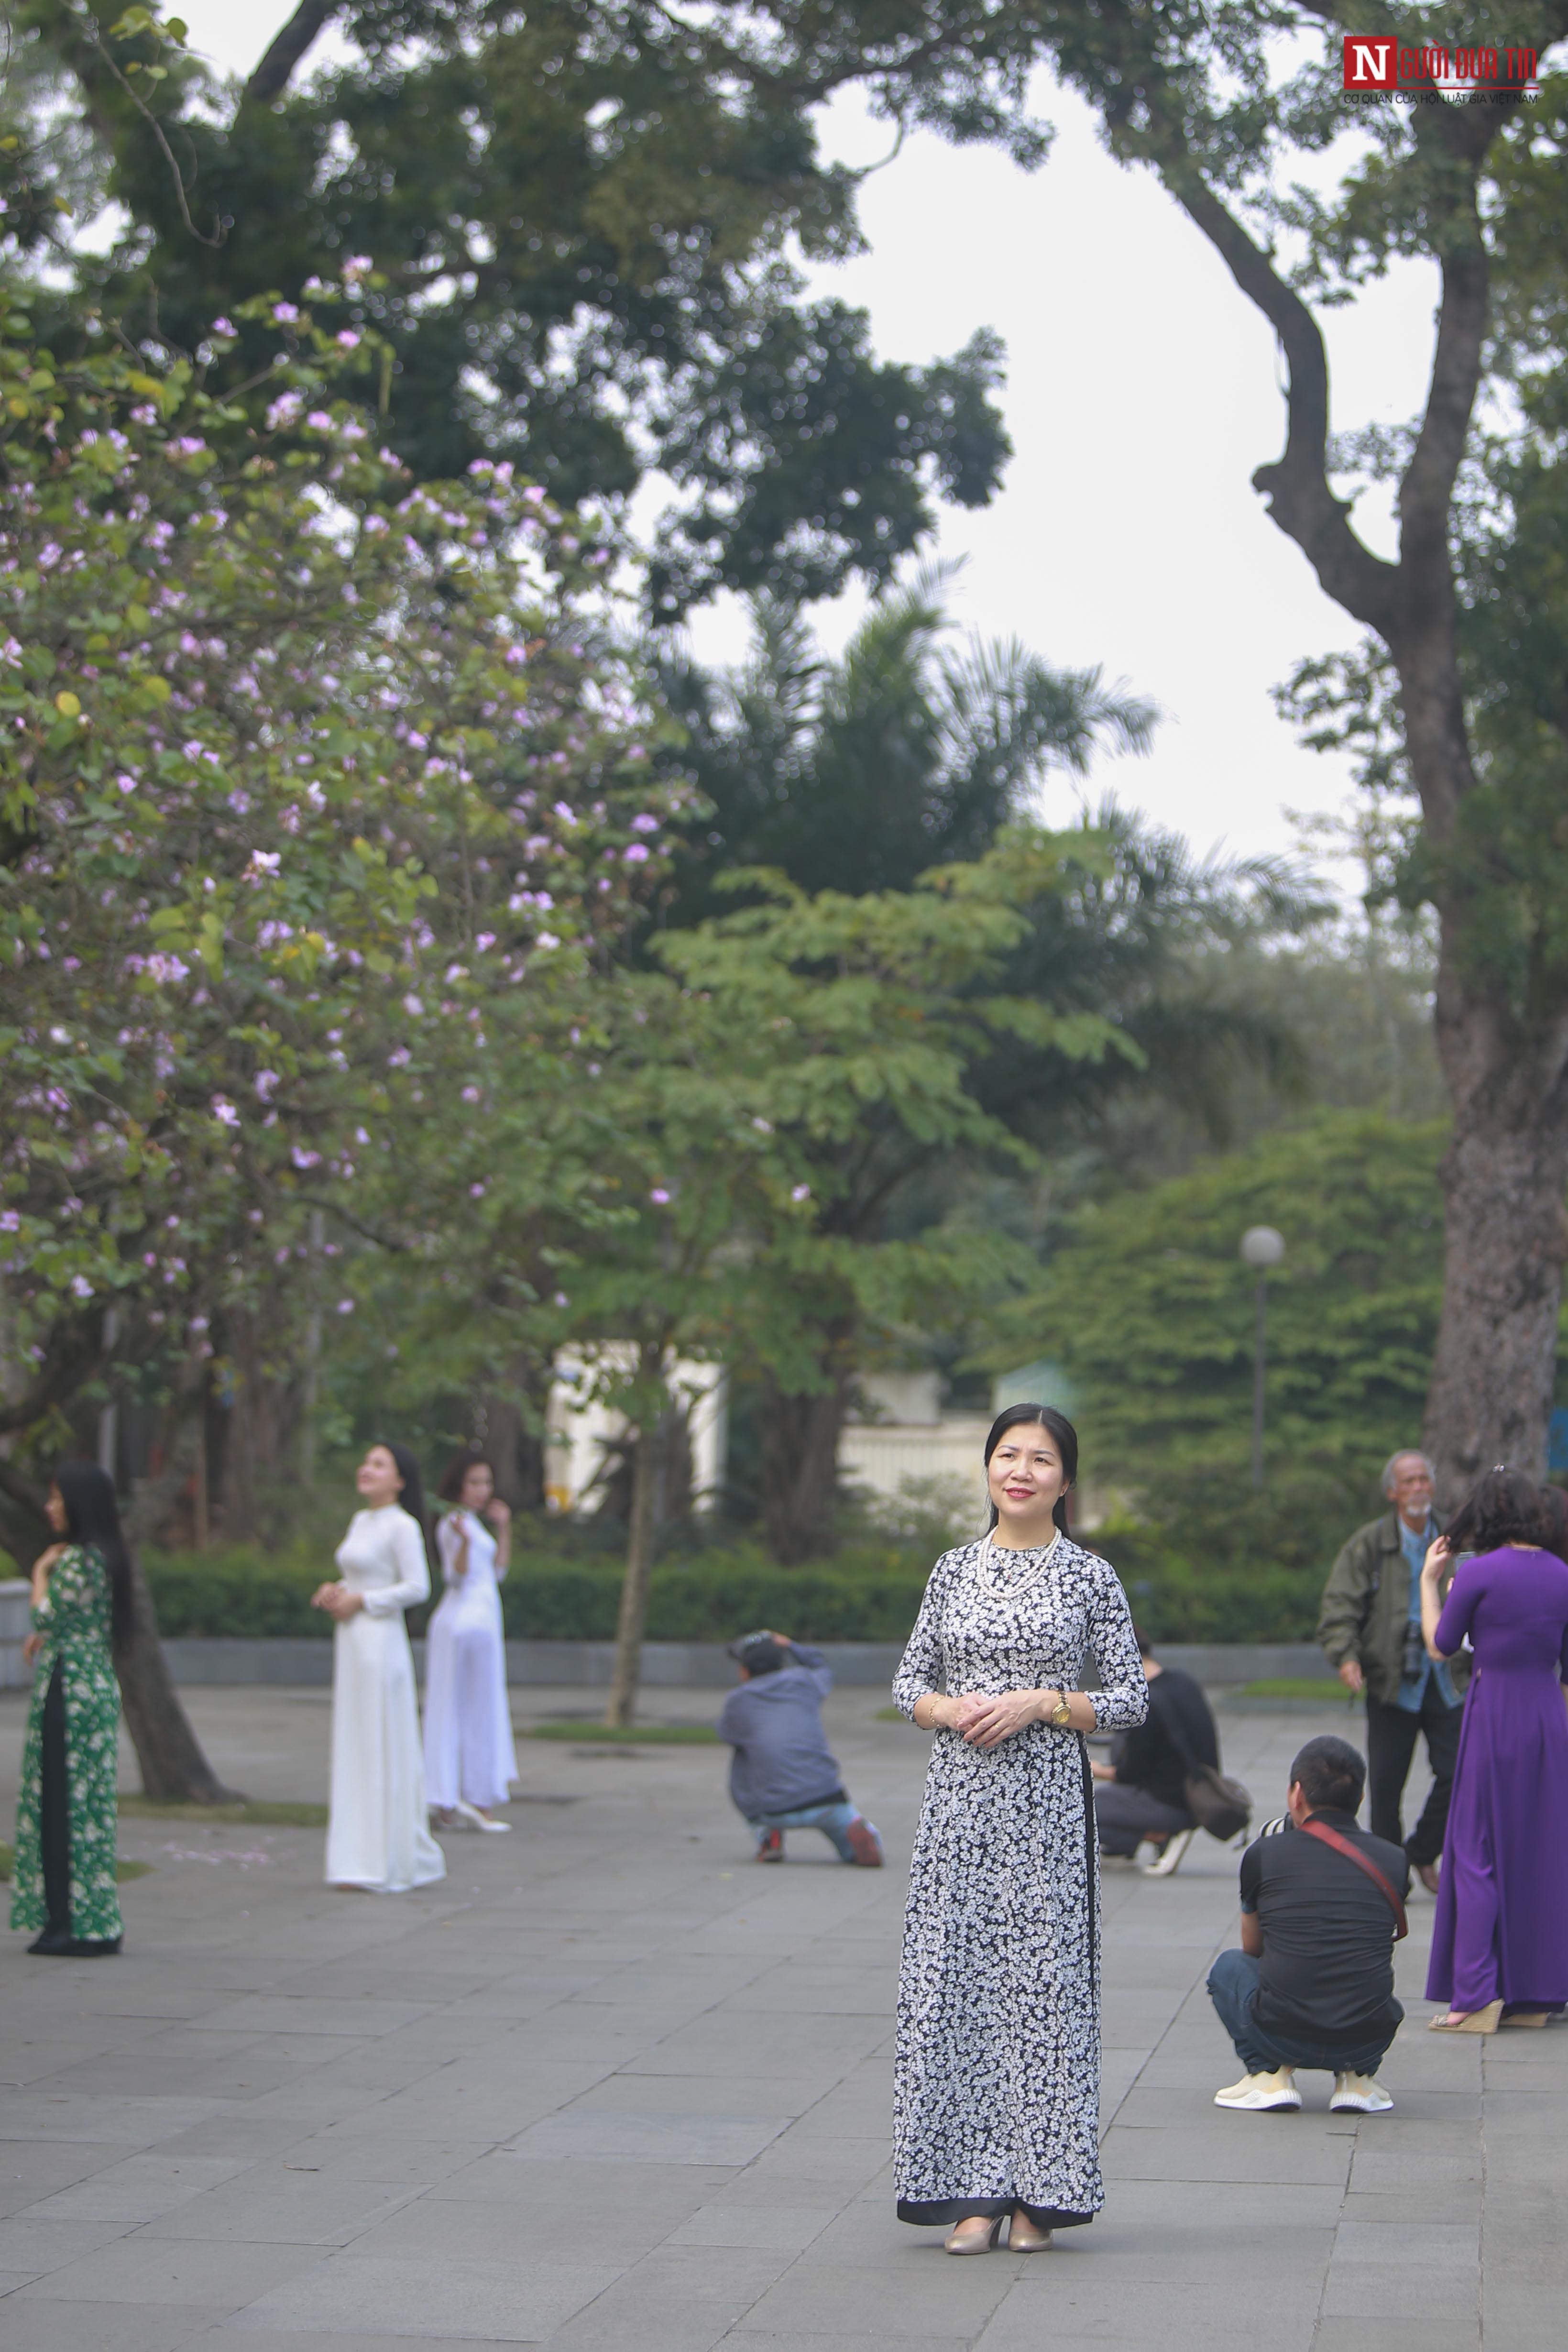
(783, 1775)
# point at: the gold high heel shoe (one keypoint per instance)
(1037, 2240)
(1526, 2017)
(1479, 2021)
(953, 2244)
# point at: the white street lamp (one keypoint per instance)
(1261, 1247)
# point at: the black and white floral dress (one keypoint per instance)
(997, 2087)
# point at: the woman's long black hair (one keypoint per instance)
(1504, 1507)
(1016, 1416)
(92, 1520)
(412, 1498)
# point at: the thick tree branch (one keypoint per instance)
(272, 75)
(1426, 494)
(69, 1364)
(1300, 499)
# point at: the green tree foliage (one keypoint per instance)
(866, 771)
(1150, 1310)
(864, 1026)
(708, 1180)
(583, 215)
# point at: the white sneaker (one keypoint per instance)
(1170, 1859)
(1360, 2095)
(1261, 2094)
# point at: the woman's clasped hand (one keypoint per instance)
(985, 1718)
(339, 1601)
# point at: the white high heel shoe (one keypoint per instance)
(475, 1819)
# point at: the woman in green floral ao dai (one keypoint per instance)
(66, 1811)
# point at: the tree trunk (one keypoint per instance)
(174, 1768)
(647, 1480)
(516, 1440)
(1504, 1173)
(800, 1467)
(246, 1439)
(1506, 1238)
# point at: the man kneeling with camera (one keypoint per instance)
(1321, 1909)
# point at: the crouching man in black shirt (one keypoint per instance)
(1321, 1909)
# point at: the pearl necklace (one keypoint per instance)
(1000, 1592)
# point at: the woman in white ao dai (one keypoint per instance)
(378, 1833)
(470, 1762)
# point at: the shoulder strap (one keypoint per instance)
(1386, 1887)
(1170, 1724)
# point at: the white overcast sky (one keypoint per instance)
(1142, 390)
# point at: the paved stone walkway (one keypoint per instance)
(612, 2089)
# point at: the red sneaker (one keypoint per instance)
(770, 1846)
(865, 1844)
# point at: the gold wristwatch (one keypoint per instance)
(1060, 1714)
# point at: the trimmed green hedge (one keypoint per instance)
(870, 1593)
(714, 1598)
(1236, 1580)
(238, 1591)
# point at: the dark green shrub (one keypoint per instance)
(239, 1589)
(869, 1593)
(1212, 1560)
(1218, 1564)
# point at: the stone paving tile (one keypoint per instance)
(681, 2299)
(239, 2131)
(142, 2269)
(35, 2247)
(634, 2137)
(1249, 2204)
(918, 2293)
(746, 2339)
(285, 2211)
(311, 2339)
(423, 2161)
(782, 2228)
(118, 2122)
(462, 2302)
(1378, 2291)
(197, 2074)
(501, 2178)
(139, 2189)
(1433, 2245)
(1178, 2327)
(618, 1978)
(1366, 2332)
(32, 2168)
(1168, 2152)
(307, 2013)
(583, 2229)
(55, 2327)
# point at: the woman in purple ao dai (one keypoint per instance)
(1499, 1947)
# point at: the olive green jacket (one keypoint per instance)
(1366, 1606)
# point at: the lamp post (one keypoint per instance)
(1261, 1247)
